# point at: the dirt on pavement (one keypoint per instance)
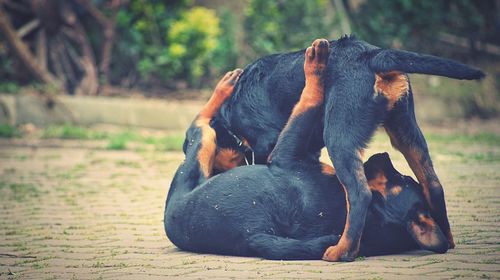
(84, 212)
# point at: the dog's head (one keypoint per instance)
(399, 210)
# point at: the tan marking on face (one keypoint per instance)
(426, 231)
(378, 184)
(392, 85)
(396, 190)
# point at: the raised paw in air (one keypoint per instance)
(226, 85)
(316, 58)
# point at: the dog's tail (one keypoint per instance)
(387, 60)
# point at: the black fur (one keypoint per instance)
(269, 88)
(289, 208)
(292, 212)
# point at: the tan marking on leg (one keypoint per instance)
(392, 85)
(313, 92)
(222, 92)
(327, 169)
(414, 161)
(334, 253)
(206, 154)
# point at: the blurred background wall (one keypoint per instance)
(168, 48)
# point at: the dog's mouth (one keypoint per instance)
(427, 233)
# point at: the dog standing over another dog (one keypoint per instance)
(294, 207)
(365, 87)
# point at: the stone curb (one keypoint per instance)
(80, 110)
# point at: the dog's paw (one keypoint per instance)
(226, 85)
(316, 58)
(338, 253)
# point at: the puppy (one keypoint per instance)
(294, 207)
(365, 87)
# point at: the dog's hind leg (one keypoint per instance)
(199, 148)
(200, 143)
(405, 135)
(279, 248)
(293, 141)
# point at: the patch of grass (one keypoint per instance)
(488, 157)
(167, 143)
(21, 157)
(484, 138)
(115, 141)
(39, 265)
(69, 131)
(131, 164)
(20, 246)
(18, 191)
(98, 264)
(75, 172)
(485, 157)
(8, 131)
(9, 87)
(120, 140)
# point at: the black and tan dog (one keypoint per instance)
(365, 87)
(294, 207)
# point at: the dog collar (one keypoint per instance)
(237, 143)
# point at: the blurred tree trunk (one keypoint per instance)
(108, 25)
(22, 51)
(53, 45)
(341, 12)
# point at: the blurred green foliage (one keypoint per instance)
(277, 26)
(69, 131)
(189, 43)
(118, 140)
(8, 131)
(225, 55)
(415, 24)
(165, 41)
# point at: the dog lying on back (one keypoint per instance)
(365, 87)
(294, 207)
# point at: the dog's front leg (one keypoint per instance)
(350, 172)
(405, 135)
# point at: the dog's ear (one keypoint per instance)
(378, 164)
(426, 233)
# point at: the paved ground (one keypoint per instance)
(75, 211)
